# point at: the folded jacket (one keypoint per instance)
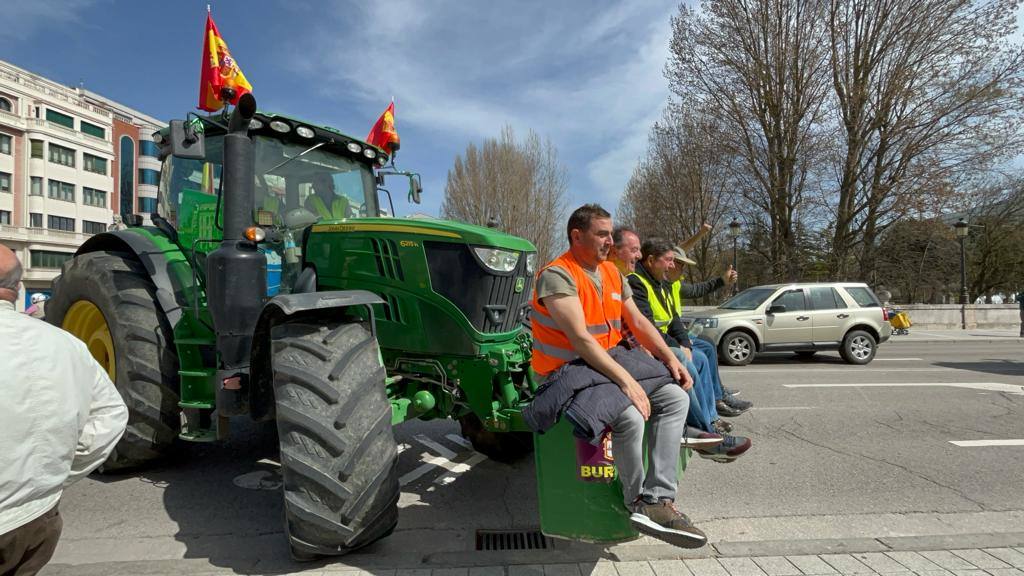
(588, 398)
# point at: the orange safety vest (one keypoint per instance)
(602, 313)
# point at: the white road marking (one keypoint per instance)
(460, 468)
(978, 443)
(460, 441)
(403, 447)
(762, 408)
(442, 460)
(898, 359)
(443, 451)
(991, 386)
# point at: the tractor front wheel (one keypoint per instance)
(338, 452)
(107, 300)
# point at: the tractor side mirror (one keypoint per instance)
(186, 140)
(299, 218)
(415, 188)
(776, 309)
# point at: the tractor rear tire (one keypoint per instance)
(506, 447)
(338, 452)
(142, 340)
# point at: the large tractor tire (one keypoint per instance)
(501, 446)
(107, 300)
(338, 452)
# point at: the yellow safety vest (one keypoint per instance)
(339, 207)
(662, 315)
(677, 296)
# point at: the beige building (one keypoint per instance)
(69, 161)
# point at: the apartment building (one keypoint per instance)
(70, 160)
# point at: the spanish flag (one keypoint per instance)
(220, 76)
(383, 134)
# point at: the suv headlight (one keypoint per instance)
(531, 262)
(497, 260)
(707, 322)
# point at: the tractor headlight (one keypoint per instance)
(531, 262)
(497, 260)
(279, 126)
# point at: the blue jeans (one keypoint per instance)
(712, 354)
(702, 395)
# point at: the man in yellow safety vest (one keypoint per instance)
(323, 201)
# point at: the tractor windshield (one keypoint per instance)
(287, 176)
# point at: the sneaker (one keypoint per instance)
(729, 391)
(697, 439)
(731, 448)
(721, 427)
(724, 409)
(663, 521)
(734, 402)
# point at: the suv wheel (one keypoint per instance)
(737, 349)
(858, 347)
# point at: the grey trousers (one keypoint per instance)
(669, 405)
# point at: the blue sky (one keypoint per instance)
(586, 74)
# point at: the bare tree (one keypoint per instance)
(760, 66)
(925, 91)
(518, 185)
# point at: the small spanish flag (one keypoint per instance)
(221, 77)
(383, 134)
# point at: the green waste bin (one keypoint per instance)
(578, 491)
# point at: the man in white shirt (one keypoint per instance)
(61, 417)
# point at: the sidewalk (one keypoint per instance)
(959, 562)
(983, 336)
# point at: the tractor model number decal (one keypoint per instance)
(408, 244)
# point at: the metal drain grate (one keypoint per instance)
(510, 540)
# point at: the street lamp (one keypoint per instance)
(961, 233)
(734, 232)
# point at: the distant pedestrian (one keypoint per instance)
(61, 416)
(1020, 301)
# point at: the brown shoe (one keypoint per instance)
(663, 521)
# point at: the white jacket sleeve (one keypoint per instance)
(104, 426)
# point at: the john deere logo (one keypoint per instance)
(520, 284)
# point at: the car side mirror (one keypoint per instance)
(776, 309)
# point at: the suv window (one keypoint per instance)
(864, 297)
(826, 299)
(792, 300)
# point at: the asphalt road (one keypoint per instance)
(840, 452)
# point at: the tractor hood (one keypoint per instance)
(429, 227)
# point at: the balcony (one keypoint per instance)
(66, 133)
(42, 236)
(12, 120)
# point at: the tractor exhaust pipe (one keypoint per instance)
(236, 272)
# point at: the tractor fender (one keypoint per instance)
(286, 307)
(158, 255)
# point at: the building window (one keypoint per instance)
(5, 144)
(94, 197)
(93, 130)
(94, 163)
(5, 105)
(147, 176)
(60, 223)
(5, 182)
(127, 169)
(37, 148)
(59, 118)
(5, 217)
(62, 155)
(61, 191)
(90, 227)
(48, 259)
(147, 205)
(35, 220)
(149, 148)
(37, 186)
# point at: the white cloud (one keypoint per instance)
(26, 17)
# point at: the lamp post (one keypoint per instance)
(734, 232)
(961, 234)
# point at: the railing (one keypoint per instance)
(55, 91)
(12, 119)
(28, 234)
(67, 132)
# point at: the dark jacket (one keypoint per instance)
(587, 398)
(677, 336)
(702, 289)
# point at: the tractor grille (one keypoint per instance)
(488, 299)
(510, 540)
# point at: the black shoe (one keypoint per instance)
(727, 411)
(721, 427)
(734, 402)
(664, 522)
(729, 391)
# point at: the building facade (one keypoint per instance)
(70, 160)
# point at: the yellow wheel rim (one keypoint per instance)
(87, 323)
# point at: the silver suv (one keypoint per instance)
(802, 318)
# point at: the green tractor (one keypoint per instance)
(241, 298)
